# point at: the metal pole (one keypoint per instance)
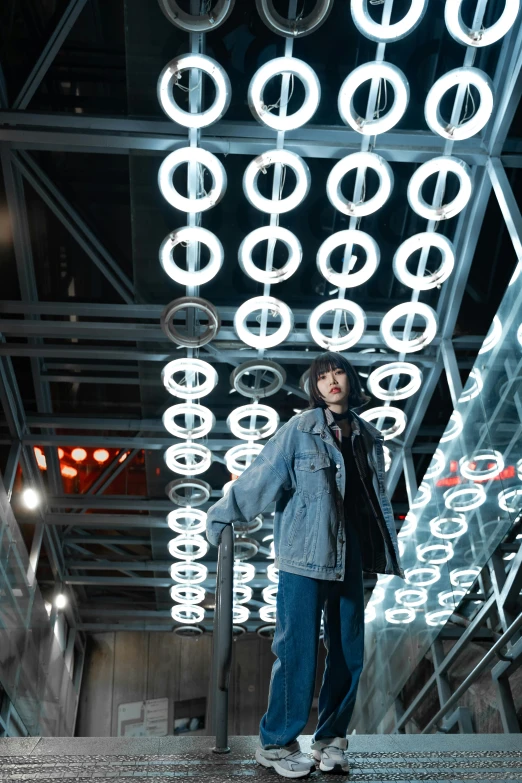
(223, 637)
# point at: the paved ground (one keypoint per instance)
(407, 758)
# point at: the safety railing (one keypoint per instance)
(222, 640)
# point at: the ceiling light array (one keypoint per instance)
(189, 458)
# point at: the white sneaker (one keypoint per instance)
(332, 757)
(288, 761)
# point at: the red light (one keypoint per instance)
(40, 458)
(68, 471)
(101, 455)
(123, 457)
(449, 482)
(454, 465)
(61, 453)
(79, 455)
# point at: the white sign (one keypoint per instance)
(148, 718)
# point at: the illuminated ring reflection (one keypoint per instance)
(268, 613)
(424, 553)
(186, 613)
(244, 573)
(438, 617)
(188, 409)
(437, 525)
(185, 547)
(422, 576)
(399, 615)
(188, 451)
(473, 473)
(454, 498)
(419, 596)
(187, 594)
(387, 412)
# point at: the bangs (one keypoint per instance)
(328, 362)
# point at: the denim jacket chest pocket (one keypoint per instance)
(312, 471)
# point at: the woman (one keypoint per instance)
(324, 469)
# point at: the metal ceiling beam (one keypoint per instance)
(69, 132)
(109, 521)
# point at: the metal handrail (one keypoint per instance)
(222, 639)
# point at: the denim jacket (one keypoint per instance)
(301, 469)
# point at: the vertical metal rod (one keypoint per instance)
(223, 637)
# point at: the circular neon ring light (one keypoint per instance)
(250, 368)
(234, 457)
(294, 28)
(243, 573)
(399, 615)
(198, 338)
(408, 526)
(466, 75)
(419, 596)
(188, 573)
(422, 576)
(272, 573)
(421, 241)
(266, 303)
(416, 343)
(348, 237)
(169, 77)
(187, 594)
(444, 164)
(192, 155)
(188, 547)
(473, 389)
(484, 36)
(454, 428)
(179, 451)
(189, 366)
(454, 497)
(187, 613)
(199, 491)
(272, 234)
(191, 234)
(240, 614)
(195, 521)
(373, 70)
(261, 163)
(277, 67)
(505, 498)
(383, 411)
(390, 32)
(423, 496)
(270, 594)
(197, 23)
(359, 160)
(437, 525)
(242, 594)
(255, 432)
(493, 336)
(207, 420)
(438, 617)
(450, 598)
(392, 369)
(424, 553)
(268, 613)
(458, 575)
(473, 473)
(337, 343)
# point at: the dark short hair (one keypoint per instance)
(331, 360)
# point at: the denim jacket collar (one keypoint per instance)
(317, 419)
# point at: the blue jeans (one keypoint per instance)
(300, 600)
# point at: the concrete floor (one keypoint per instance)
(408, 758)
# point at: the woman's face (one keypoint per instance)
(334, 387)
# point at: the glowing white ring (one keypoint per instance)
(507, 495)
(438, 617)
(191, 234)
(272, 573)
(268, 613)
(492, 455)
(187, 613)
(432, 575)
(243, 573)
(261, 163)
(277, 67)
(466, 75)
(188, 366)
(187, 594)
(420, 596)
(399, 616)
(188, 547)
(416, 343)
(485, 36)
(424, 553)
(240, 452)
(447, 597)
(242, 594)
(207, 420)
(444, 164)
(437, 523)
(383, 411)
(390, 32)
(493, 336)
(270, 594)
(359, 160)
(203, 158)
(423, 496)
(454, 428)
(453, 497)
(389, 370)
(457, 574)
(240, 614)
(349, 237)
(263, 303)
(426, 239)
(408, 526)
(272, 234)
(195, 518)
(188, 573)
(473, 389)
(253, 366)
(199, 491)
(169, 77)
(337, 343)
(257, 432)
(437, 465)
(373, 70)
(187, 450)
